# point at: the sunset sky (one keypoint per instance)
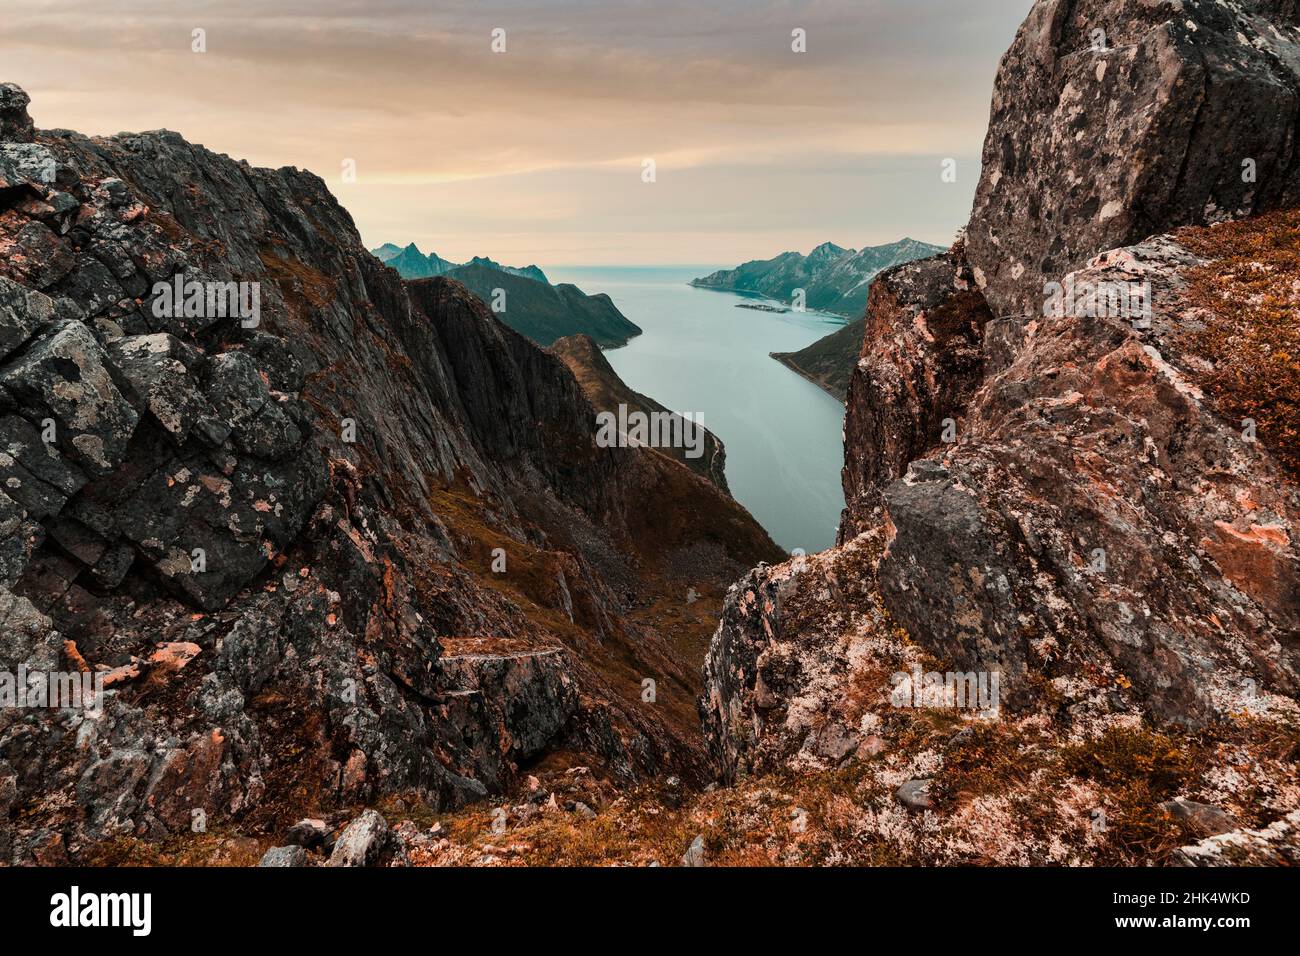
(535, 155)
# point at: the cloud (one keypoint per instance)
(587, 88)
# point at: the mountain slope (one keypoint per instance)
(362, 547)
(829, 361)
(834, 279)
(1079, 504)
(606, 392)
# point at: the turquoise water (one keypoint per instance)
(701, 354)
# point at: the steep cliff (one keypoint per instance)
(606, 392)
(352, 544)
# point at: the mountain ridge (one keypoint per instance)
(523, 298)
(834, 279)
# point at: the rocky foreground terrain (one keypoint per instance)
(1094, 510)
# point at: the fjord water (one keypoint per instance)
(701, 354)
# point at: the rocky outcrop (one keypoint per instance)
(270, 528)
(1095, 526)
(792, 671)
(1096, 512)
(15, 124)
(922, 359)
(1092, 503)
(1114, 120)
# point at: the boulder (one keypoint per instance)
(284, 856)
(64, 376)
(15, 125)
(915, 795)
(1115, 120)
(362, 842)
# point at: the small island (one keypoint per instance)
(760, 307)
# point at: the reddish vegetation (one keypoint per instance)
(1250, 297)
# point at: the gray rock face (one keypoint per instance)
(22, 314)
(775, 673)
(1114, 120)
(64, 377)
(922, 359)
(509, 701)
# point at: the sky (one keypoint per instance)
(538, 154)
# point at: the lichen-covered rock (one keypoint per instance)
(922, 359)
(792, 641)
(158, 367)
(362, 842)
(1115, 120)
(1278, 844)
(1096, 512)
(281, 856)
(64, 378)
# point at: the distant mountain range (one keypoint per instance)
(834, 279)
(533, 307)
(411, 263)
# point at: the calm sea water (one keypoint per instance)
(701, 354)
